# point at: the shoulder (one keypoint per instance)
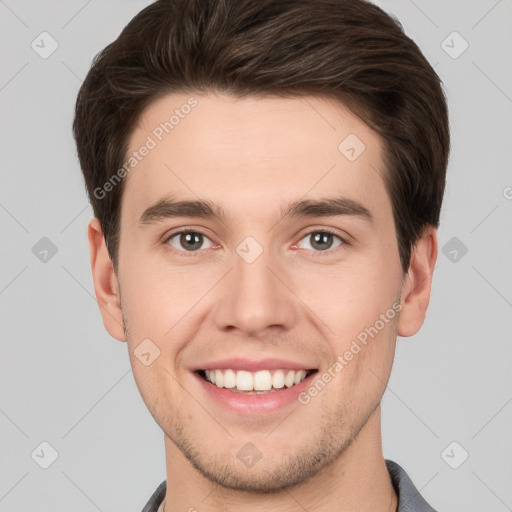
(156, 498)
(409, 498)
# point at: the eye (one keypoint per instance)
(321, 240)
(189, 241)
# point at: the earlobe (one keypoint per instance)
(415, 295)
(105, 281)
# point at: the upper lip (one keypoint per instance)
(253, 365)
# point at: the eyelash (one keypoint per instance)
(187, 254)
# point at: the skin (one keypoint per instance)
(253, 156)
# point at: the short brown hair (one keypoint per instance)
(350, 50)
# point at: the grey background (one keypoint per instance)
(64, 381)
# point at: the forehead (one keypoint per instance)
(243, 151)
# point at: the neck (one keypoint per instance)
(357, 481)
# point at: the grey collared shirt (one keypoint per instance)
(409, 498)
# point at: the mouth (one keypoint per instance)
(254, 387)
(255, 383)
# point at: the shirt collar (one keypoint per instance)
(409, 498)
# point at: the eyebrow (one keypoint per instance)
(329, 207)
(170, 208)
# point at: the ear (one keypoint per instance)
(105, 281)
(415, 294)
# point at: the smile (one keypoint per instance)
(259, 382)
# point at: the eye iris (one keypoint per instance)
(191, 241)
(322, 238)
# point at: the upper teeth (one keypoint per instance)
(262, 380)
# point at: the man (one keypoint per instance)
(266, 178)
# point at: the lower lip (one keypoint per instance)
(255, 403)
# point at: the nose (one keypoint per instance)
(256, 299)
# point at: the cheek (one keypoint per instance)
(352, 297)
(364, 362)
(147, 381)
(357, 306)
(156, 295)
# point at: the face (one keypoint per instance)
(258, 250)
